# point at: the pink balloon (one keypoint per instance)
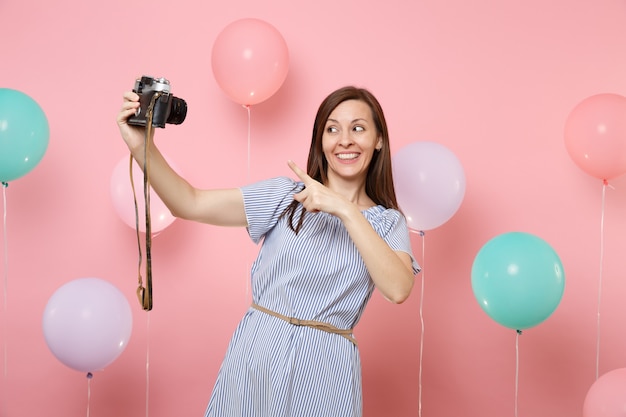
(87, 324)
(430, 184)
(250, 60)
(122, 199)
(607, 396)
(595, 135)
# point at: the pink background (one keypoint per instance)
(492, 80)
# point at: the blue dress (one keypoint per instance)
(276, 369)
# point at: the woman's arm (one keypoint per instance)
(219, 207)
(391, 271)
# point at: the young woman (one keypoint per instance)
(328, 239)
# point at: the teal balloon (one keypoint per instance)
(24, 134)
(518, 280)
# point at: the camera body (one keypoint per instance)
(167, 108)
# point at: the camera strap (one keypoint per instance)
(144, 294)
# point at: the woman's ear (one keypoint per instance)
(379, 143)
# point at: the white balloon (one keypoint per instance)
(430, 184)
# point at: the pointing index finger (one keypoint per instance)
(300, 173)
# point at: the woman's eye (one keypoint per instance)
(331, 129)
(359, 128)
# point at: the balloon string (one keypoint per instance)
(248, 266)
(5, 298)
(249, 146)
(421, 311)
(147, 363)
(517, 335)
(89, 377)
(604, 185)
(6, 251)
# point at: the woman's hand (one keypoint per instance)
(134, 136)
(316, 196)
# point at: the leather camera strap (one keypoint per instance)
(144, 294)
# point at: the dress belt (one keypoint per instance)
(320, 325)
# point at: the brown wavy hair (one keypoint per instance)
(379, 180)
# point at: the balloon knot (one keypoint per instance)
(89, 375)
(422, 233)
(5, 184)
(519, 332)
(605, 182)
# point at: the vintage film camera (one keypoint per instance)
(167, 108)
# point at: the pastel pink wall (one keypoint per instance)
(492, 80)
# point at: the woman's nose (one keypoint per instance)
(346, 138)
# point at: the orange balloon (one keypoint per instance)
(606, 396)
(595, 135)
(250, 60)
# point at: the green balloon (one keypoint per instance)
(24, 134)
(518, 280)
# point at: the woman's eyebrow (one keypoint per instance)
(358, 119)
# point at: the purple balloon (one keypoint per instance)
(87, 324)
(429, 182)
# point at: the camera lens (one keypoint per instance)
(178, 111)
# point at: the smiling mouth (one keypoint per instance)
(347, 156)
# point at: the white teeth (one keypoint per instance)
(347, 155)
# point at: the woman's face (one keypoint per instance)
(349, 141)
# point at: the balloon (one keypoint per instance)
(429, 182)
(595, 135)
(250, 60)
(123, 202)
(606, 396)
(518, 280)
(24, 134)
(87, 324)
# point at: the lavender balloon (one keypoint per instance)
(87, 324)
(429, 182)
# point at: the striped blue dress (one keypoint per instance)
(276, 369)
